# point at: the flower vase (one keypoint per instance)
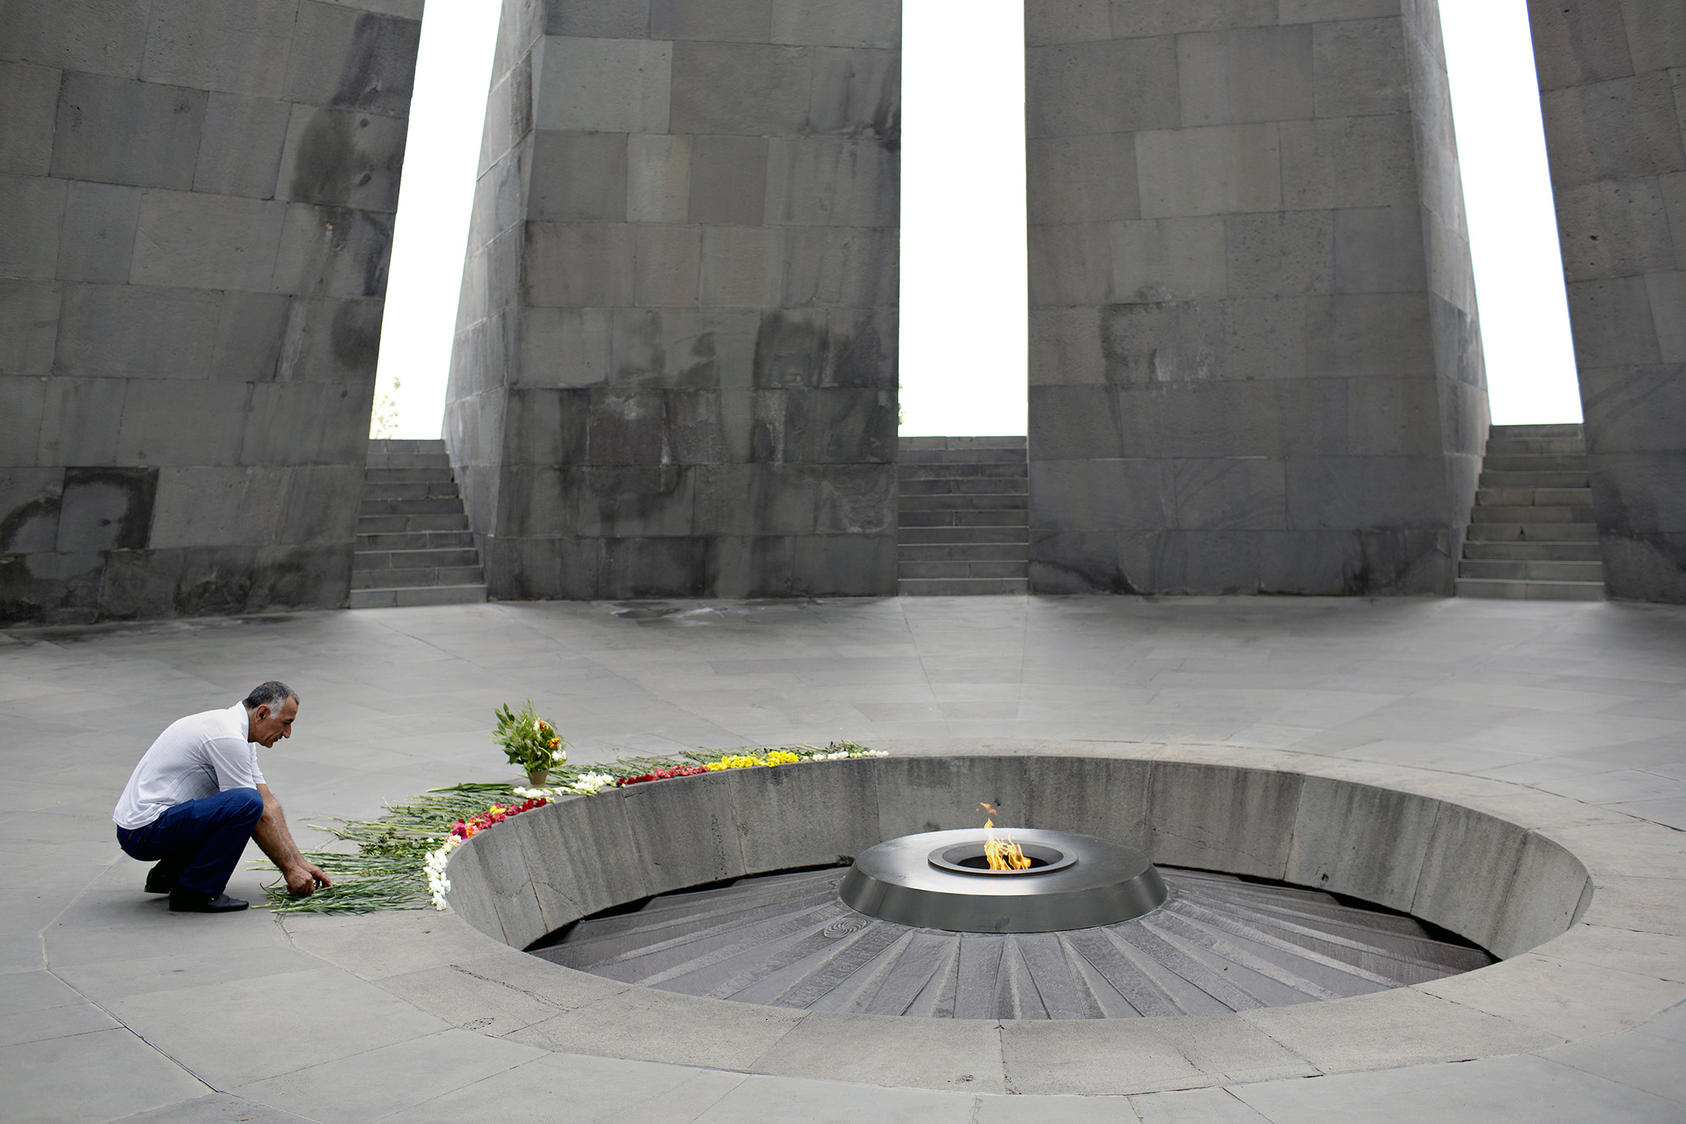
(536, 777)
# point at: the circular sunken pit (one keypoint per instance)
(943, 880)
(645, 855)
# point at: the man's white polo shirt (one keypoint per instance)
(197, 756)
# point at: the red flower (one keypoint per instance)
(662, 775)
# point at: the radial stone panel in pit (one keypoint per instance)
(1218, 944)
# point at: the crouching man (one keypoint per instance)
(198, 795)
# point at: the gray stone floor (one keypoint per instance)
(120, 1010)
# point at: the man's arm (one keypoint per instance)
(276, 841)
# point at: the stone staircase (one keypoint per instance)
(413, 541)
(1532, 535)
(963, 526)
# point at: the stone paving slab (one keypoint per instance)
(229, 1029)
(411, 1073)
(47, 1080)
(1523, 1089)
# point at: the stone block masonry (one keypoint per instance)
(199, 198)
(1611, 98)
(1254, 365)
(675, 361)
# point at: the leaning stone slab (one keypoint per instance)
(1217, 818)
(581, 857)
(1360, 840)
(805, 815)
(1471, 857)
(1542, 899)
(683, 830)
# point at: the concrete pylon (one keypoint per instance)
(198, 199)
(675, 362)
(1615, 125)
(1255, 365)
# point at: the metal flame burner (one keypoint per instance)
(934, 880)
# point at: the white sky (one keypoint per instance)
(963, 349)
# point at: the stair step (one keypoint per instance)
(414, 540)
(964, 470)
(412, 490)
(966, 485)
(1537, 429)
(422, 595)
(1498, 588)
(1532, 462)
(1549, 446)
(412, 474)
(409, 521)
(1534, 532)
(911, 520)
(416, 577)
(960, 456)
(1531, 513)
(406, 453)
(961, 587)
(379, 445)
(409, 559)
(951, 501)
(1534, 550)
(1533, 569)
(1534, 496)
(1544, 478)
(437, 505)
(964, 568)
(969, 552)
(955, 536)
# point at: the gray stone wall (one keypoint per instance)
(1613, 95)
(675, 361)
(1254, 366)
(198, 200)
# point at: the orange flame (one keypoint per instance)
(1003, 854)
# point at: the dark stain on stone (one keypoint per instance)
(791, 351)
(355, 337)
(115, 503)
(379, 71)
(214, 595)
(15, 528)
(365, 233)
(326, 158)
(704, 370)
(887, 123)
(763, 443)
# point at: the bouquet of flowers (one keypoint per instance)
(530, 743)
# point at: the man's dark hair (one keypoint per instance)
(273, 694)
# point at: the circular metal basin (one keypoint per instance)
(930, 880)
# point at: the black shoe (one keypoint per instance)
(196, 901)
(161, 879)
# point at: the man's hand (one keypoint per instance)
(303, 879)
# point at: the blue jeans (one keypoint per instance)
(204, 838)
